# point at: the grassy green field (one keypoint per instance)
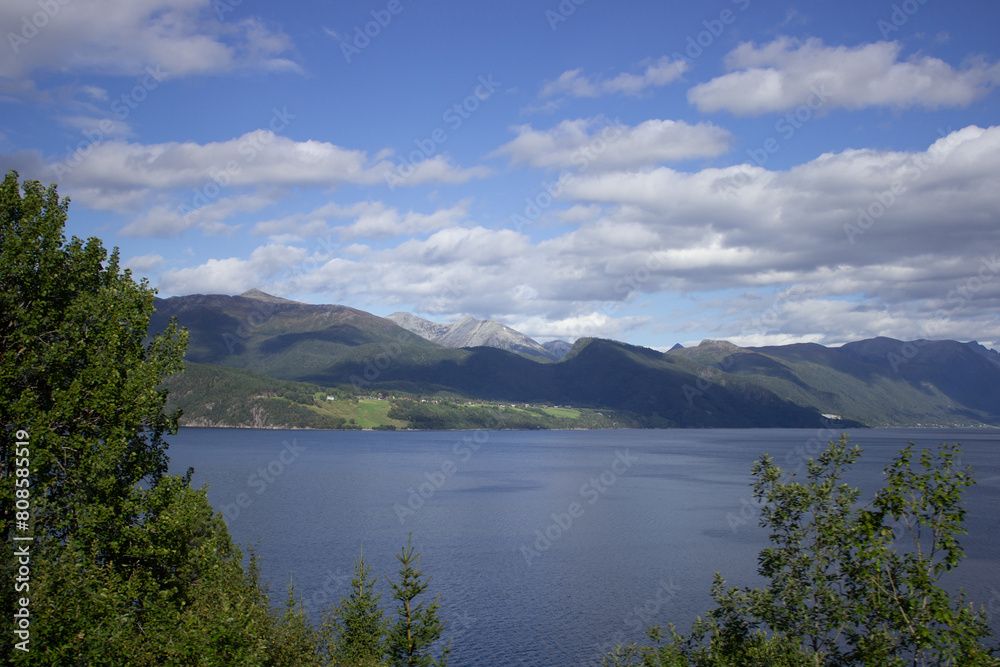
(365, 412)
(562, 413)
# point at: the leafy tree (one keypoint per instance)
(842, 590)
(417, 626)
(77, 374)
(298, 640)
(357, 628)
(129, 565)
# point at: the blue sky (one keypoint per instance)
(654, 172)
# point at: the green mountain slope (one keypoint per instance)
(713, 385)
(212, 395)
(944, 383)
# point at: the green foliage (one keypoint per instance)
(129, 565)
(417, 626)
(296, 642)
(76, 374)
(356, 629)
(842, 590)
(219, 396)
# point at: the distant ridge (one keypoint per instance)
(880, 382)
(470, 332)
(264, 296)
(557, 348)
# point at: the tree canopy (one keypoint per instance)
(121, 563)
(849, 585)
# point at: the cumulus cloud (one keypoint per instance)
(750, 218)
(144, 264)
(584, 325)
(370, 220)
(599, 144)
(573, 83)
(782, 239)
(164, 220)
(903, 230)
(180, 185)
(786, 73)
(256, 157)
(122, 37)
(108, 127)
(233, 275)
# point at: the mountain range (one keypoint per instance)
(470, 332)
(876, 382)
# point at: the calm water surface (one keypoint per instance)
(547, 547)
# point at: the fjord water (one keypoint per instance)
(547, 547)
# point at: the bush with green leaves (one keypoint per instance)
(849, 584)
(129, 565)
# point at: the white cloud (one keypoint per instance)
(593, 324)
(786, 73)
(123, 37)
(646, 235)
(256, 157)
(123, 177)
(233, 275)
(383, 222)
(574, 84)
(143, 264)
(579, 213)
(102, 127)
(591, 143)
(371, 220)
(164, 220)
(921, 223)
(438, 169)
